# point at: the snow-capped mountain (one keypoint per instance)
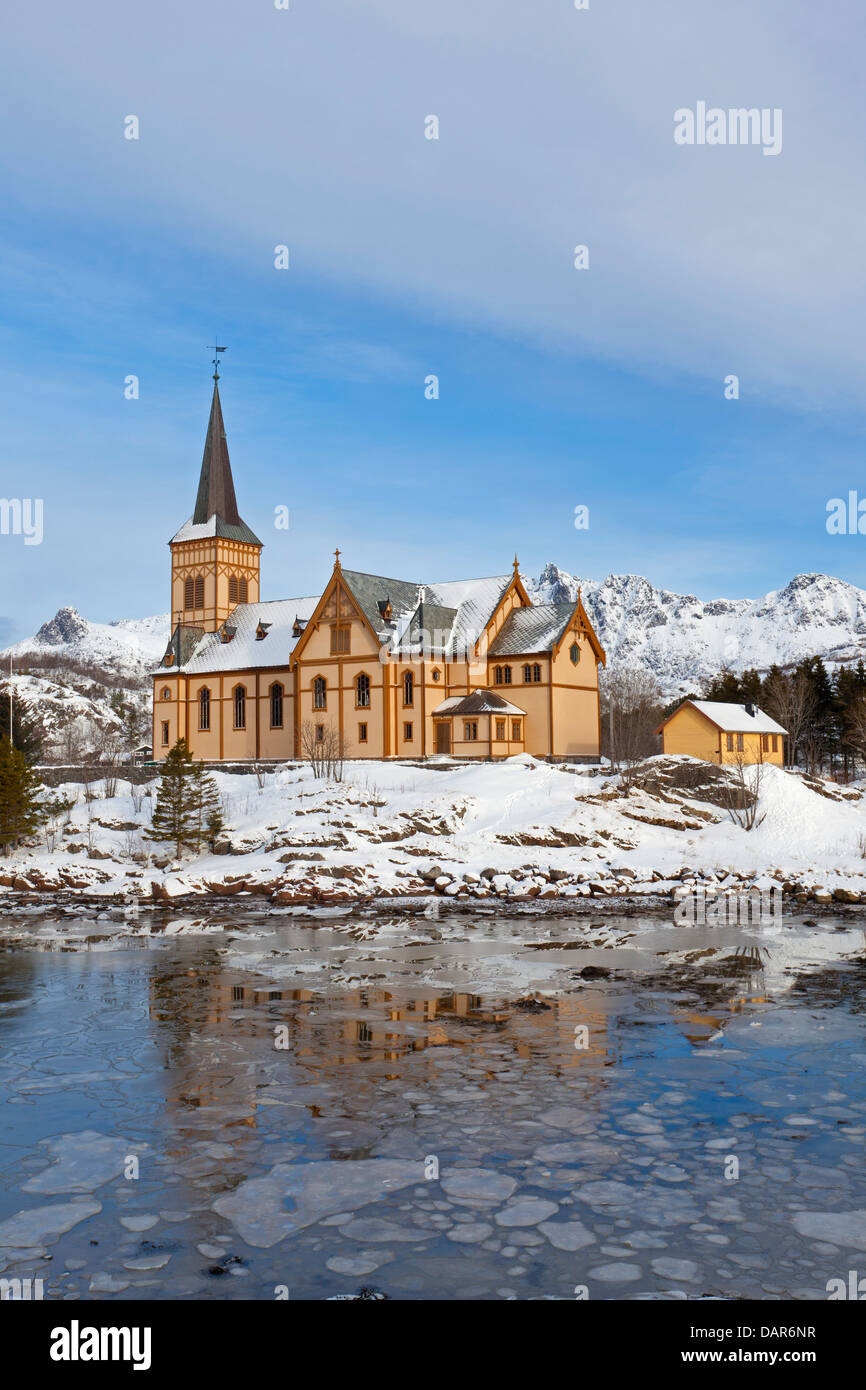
(679, 638)
(682, 640)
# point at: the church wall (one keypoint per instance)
(576, 729)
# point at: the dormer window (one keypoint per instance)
(298, 626)
(385, 609)
(168, 659)
(227, 633)
(262, 631)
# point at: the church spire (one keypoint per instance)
(216, 489)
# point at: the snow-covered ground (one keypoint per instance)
(519, 830)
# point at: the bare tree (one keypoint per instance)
(741, 793)
(631, 704)
(789, 698)
(325, 748)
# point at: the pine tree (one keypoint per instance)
(27, 732)
(21, 812)
(175, 816)
(207, 806)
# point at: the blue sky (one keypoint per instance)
(410, 257)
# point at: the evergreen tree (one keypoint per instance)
(27, 732)
(21, 812)
(207, 806)
(175, 815)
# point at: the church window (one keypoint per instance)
(436, 675)
(341, 639)
(470, 730)
(204, 708)
(320, 693)
(362, 733)
(515, 730)
(276, 705)
(574, 653)
(199, 591)
(408, 689)
(188, 592)
(240, 702)
(320, 733)
(497, 675)
(243, 591)
(506, 675)
(233, 588)
(527, 674)
(362, 690)
(166, 693)
(500, 730)
(536, 672)
(165, 732)
(407, 732)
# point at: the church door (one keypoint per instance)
(443, 738)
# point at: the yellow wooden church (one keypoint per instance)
(377, 667)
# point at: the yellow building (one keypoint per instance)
(723, 733)
(375, 667)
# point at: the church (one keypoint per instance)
(371, 668)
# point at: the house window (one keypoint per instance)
(240, 700)
(199, 591)
(276, 705)
(515, 730)
(362, 691)
(188, 592)
(574, 653)
(536, 672)
(500, 730)
(739, 743)
(408, 689)
(407, 733)
(362, 733)
(729, 742)
(320, 693)
(765, 743)
(320, 733)
(243, 591)
(775, 743)
(470, 730)
(165, 732)
(233, 588)
(204, 708)
(166, 693)
(341, 639)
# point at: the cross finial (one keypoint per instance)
(216, 362)
(515, 562)
(336, 559)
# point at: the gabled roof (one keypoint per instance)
(245, 651)
(530, 630)
(216, 509)
(479, 702)
(452, 615)
(731, 719)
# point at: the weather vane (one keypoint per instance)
(216, 361)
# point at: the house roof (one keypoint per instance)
(245, 651)
(731, 718)
(216, 509)
(530, 630)
(479, 702)
(452, 615)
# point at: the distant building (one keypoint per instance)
(723, 733)
(389, 667)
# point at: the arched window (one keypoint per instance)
(204, 708)
(243, 591)
(362, 691)
(527, 674)
(276, 705)
(199, 591)
(188, 592)
(408, 689)
(233, 588)
(166, 693)
(506, 675)
(240, 700)
(320, 693)
(497, 675)
(536, 672)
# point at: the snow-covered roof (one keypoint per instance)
(452, 615)
(214, 526)
(529, 630)
(479, 702)
(245, 650)
(736, 719)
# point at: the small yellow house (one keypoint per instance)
(723, 733)
(375, 666)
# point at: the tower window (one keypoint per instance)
(166, 692)
(240, 703)
(204, 708)
(320, 693)
(165, 733)
(243, 591)
(199, 591)
(188, 592)
(233, 588)
(408, 689)
(407, 733)
(362, 733)
(362, 690)
(276, 705)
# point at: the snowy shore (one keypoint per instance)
(522, 833)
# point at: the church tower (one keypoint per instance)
(214, 556)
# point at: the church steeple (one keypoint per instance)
(215, 555)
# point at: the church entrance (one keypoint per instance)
(443, 737)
